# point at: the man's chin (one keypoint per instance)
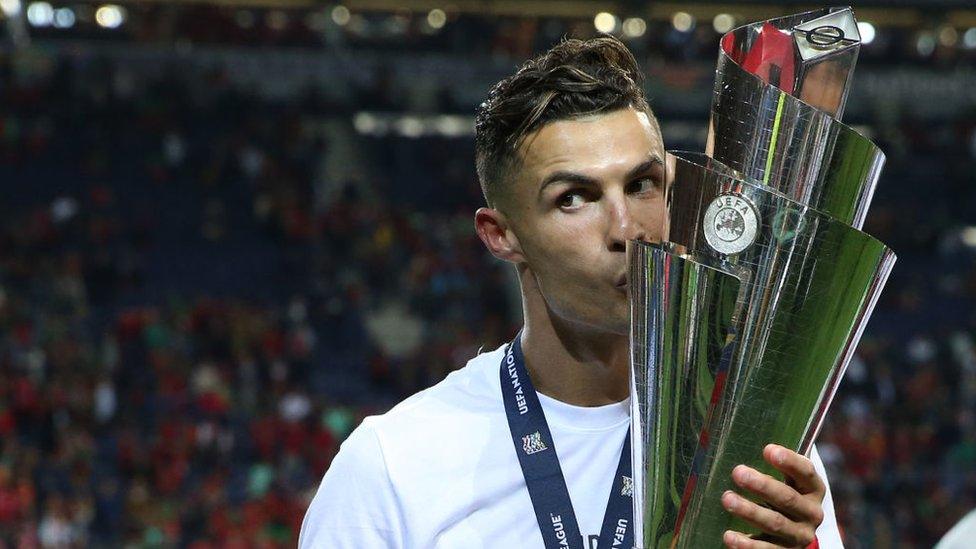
(622, 329)
(610, 319)
(604, 326)
(617, 321)
(619, 324)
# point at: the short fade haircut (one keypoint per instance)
(575, 78)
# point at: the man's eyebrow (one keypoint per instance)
(564, 176)
(567, 177)
(645, 166)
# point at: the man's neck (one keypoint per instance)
(574, 365)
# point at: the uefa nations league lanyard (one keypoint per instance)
(543, 475)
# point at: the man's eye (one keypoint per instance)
(642, 185)
(573, 199)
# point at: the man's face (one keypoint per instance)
(587, 186)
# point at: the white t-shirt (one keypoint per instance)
(440, 470)
(961, 535)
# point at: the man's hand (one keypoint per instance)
(793, 509)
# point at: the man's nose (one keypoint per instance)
(623, 226)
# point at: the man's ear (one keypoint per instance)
(493, 229)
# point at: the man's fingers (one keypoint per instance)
(738, 540)
(769, 521)
(779, 495)
(794, 510)
(797, 468)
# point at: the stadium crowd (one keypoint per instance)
(196, 309)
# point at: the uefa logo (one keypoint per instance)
(627, 489)
(730, 224)
(533, 444)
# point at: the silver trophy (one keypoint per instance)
(745, 318)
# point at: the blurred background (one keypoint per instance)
(229, 230)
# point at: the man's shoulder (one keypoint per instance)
(470, 392)
(426, 449)
(435, 431)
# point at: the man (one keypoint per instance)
(571, 163)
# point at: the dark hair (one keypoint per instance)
(574, 78)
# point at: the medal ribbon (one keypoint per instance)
(543, 474)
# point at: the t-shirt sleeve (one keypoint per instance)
(355, 505)
(961, 535)
(828, 533)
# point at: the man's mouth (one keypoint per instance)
(622, 281)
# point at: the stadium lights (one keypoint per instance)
(436, 18)
(948, 36)
(110, 16)
(410, 126)
(634, 27)
(867, 32)
(64, 18)
(453, 125)
(605, 22)
(723, 23)
(682, 21)
(10, 8)
(40, 14)
(969, 39)
(341, 15)
(413, 126)
(925, 44)
(968, 236)
(365, 123)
